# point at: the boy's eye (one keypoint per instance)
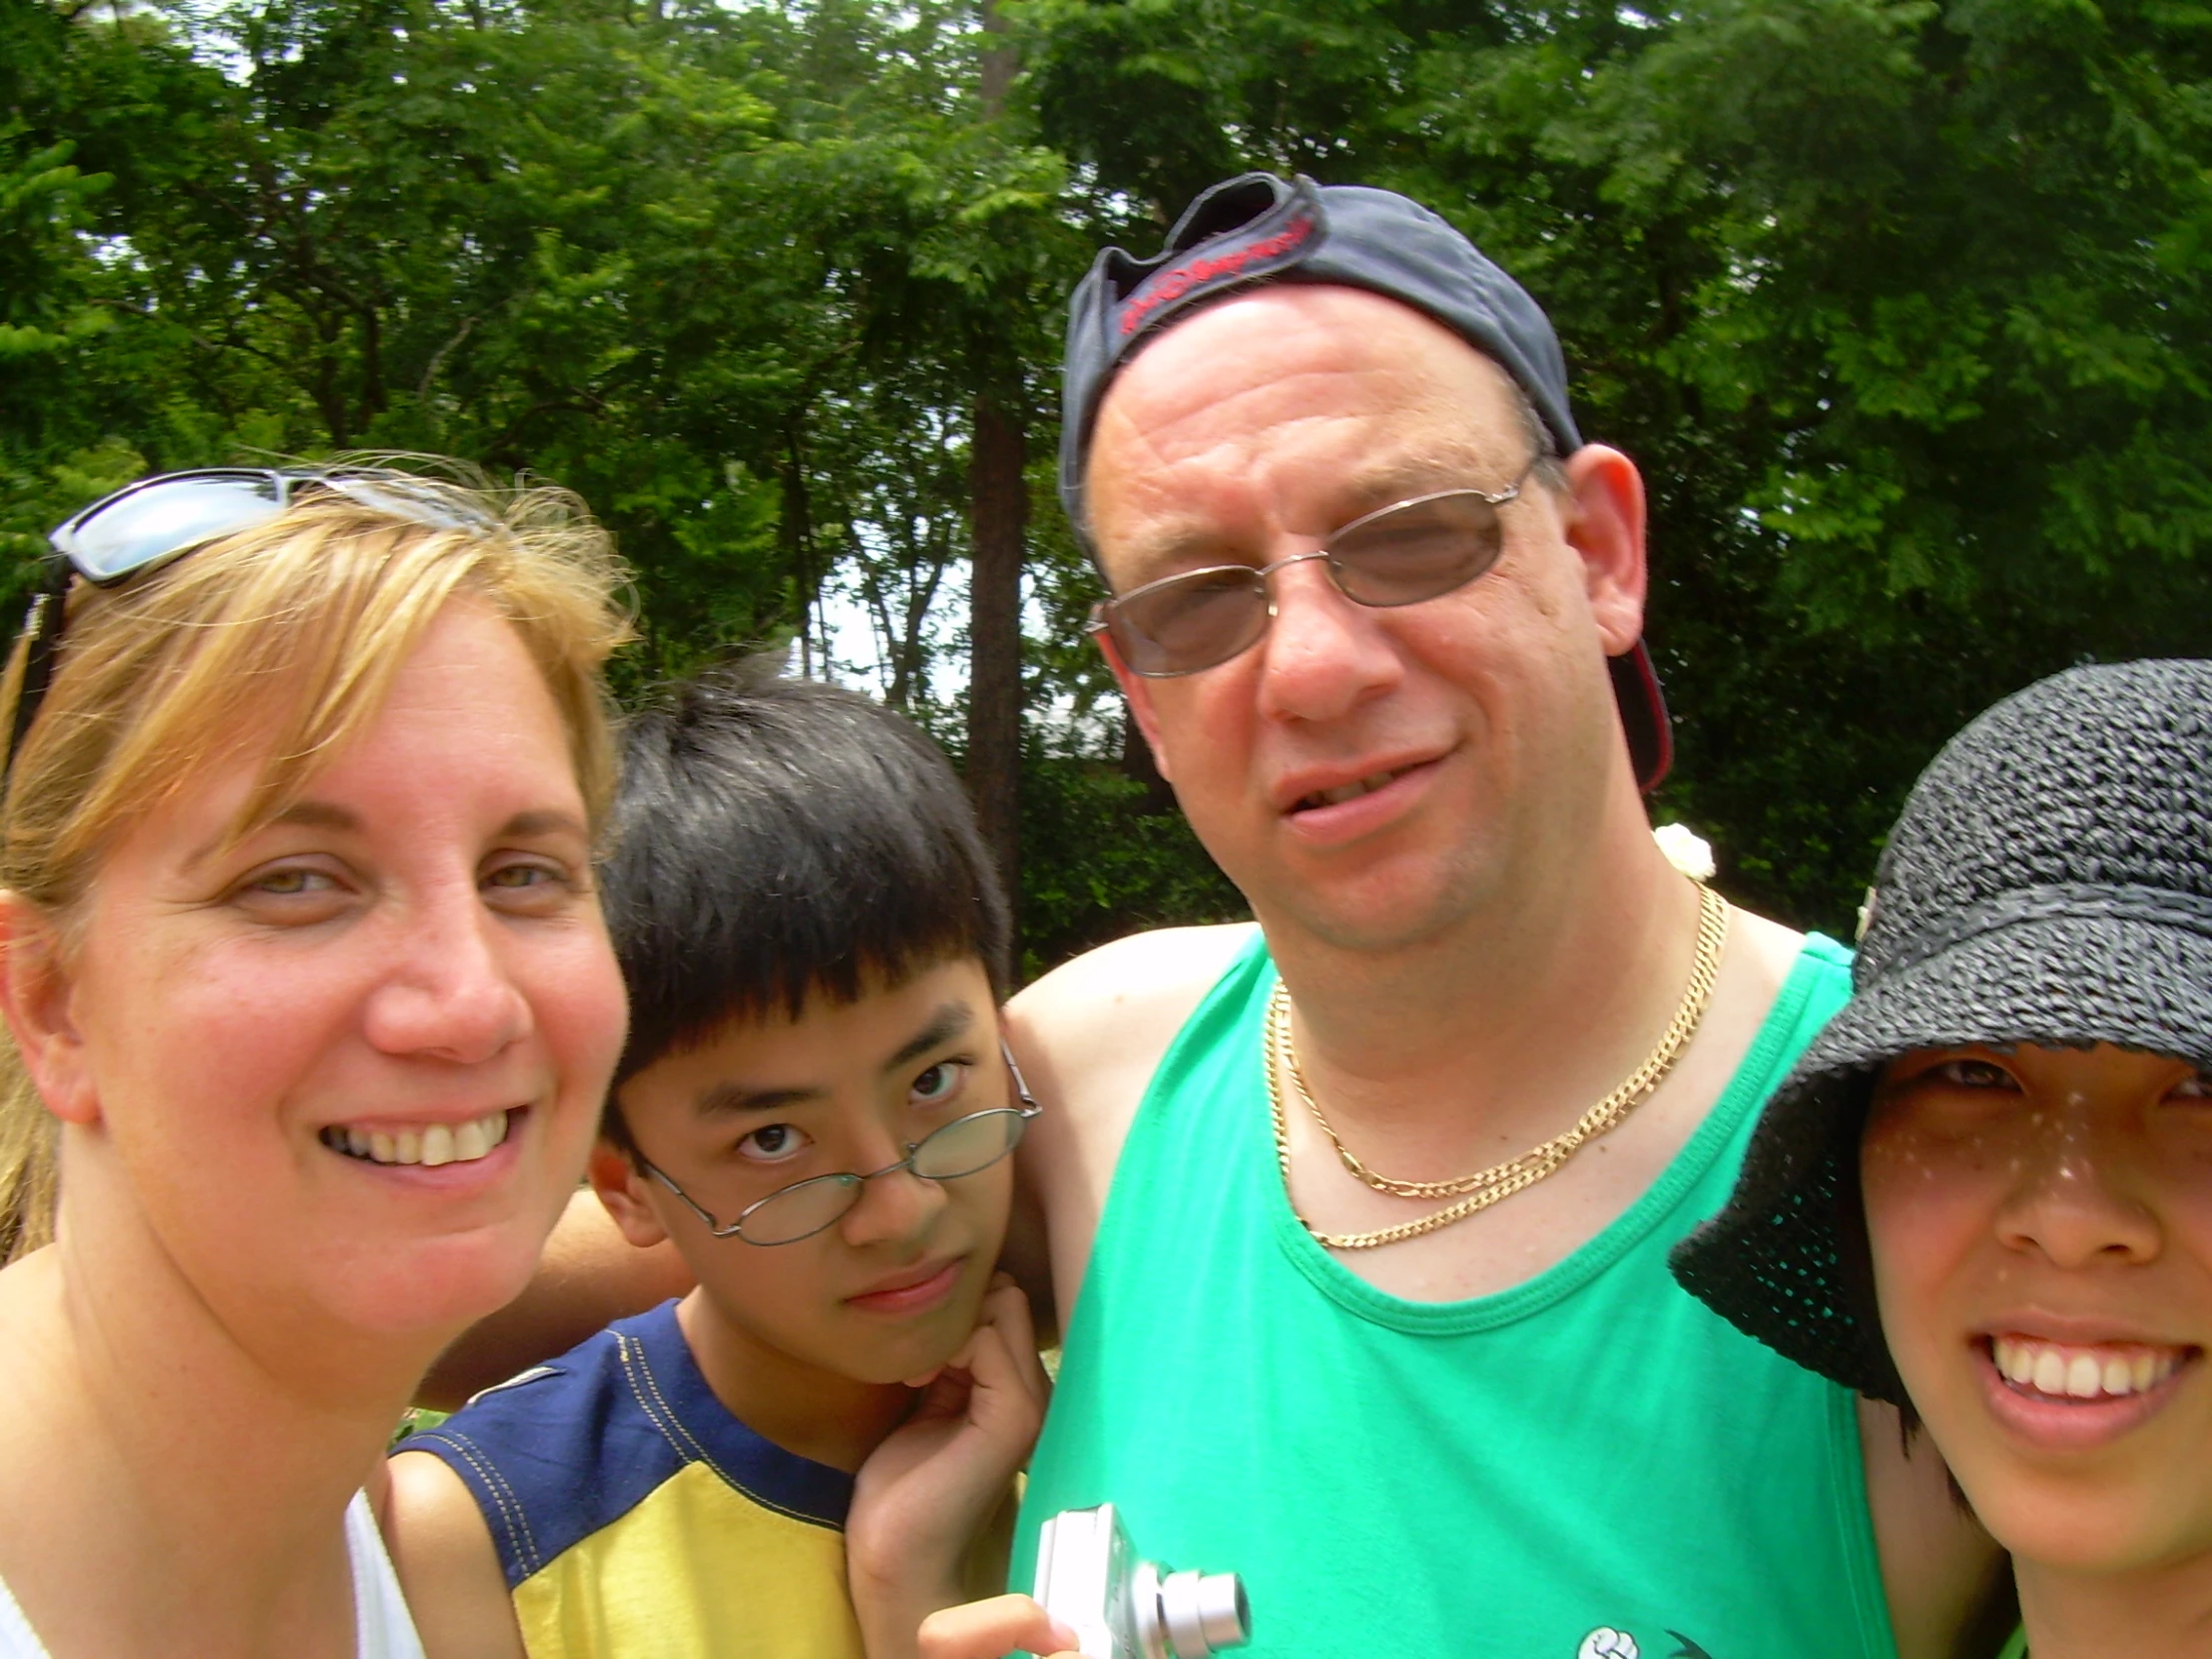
(938, 1084)
(2195, 1086)
(775, 1143)
(1974, 1074)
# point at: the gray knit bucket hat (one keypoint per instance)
(2049, 883)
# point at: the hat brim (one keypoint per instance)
(1786, 1260)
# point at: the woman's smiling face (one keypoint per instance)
(249, 1038)
(2041, 1229)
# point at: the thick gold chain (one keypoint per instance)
(1500, 1180)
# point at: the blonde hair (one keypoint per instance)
(284, 635)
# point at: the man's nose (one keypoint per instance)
(449, 992)
(1324, 654)
(2074, 1201)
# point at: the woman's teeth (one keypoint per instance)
(2103, 1371)
(433, 1144)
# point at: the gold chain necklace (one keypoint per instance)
(1500, 1180)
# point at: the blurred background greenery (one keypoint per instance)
(1902, 306)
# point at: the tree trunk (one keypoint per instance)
(999, 505)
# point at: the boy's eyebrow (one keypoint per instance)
(722, 1099)
(950, 1020)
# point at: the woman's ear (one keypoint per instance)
(620, 1184)
(35, 997)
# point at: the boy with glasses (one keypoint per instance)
(816, 1109)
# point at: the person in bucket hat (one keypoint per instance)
(1984, 1193)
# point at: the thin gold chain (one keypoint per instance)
(1500, 1180)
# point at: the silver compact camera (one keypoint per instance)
(1121, 1606)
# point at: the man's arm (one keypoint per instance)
(1948, 1585)
(589, 1277)
(448, 1564)
(1090, 1037)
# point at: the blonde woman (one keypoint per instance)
(313, 1009)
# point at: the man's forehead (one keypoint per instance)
(1385, 402)
(1266, 335)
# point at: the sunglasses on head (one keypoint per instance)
(1397, 555)
(144, 525)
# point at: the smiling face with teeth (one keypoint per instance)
(341, 1074)
(2040, 1223)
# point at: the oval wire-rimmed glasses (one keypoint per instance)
(965, 1146)
(1412, 550)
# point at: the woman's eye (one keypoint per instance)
(288, 885)
(1974, 1074)
(775, 1144)
(288, 881)
(2195, 1086)
(524, 878)
(939, 1083)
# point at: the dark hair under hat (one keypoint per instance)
(2049, 883)
(1261, 228)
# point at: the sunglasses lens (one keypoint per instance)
(1190, 622)
(1418, 551)
(142, 527)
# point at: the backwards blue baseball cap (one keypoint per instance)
(1261, 228)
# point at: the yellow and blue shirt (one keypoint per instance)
(633, 1514)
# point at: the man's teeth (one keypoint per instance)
(2098, 1373)
(1346, 791)
(433, 1144)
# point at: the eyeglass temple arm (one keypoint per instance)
(43, 625)
(712, 1226)
(1021, 1084)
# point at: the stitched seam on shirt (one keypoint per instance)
(514, 1521)
(657, 1409)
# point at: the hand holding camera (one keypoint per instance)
(1097, 1599)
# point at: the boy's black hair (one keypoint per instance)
(776, 839)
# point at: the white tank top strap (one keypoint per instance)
(383, 1628)
(17, 1639)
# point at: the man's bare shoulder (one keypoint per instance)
(1089, 1035)
(448, 1564)
(1142, 982)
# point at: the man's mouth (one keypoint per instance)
(1349, 791)
(429, 1144)
(2084, 1372)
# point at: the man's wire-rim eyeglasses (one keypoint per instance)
(996, 1130)
(1412, 550)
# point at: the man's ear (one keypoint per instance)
(1136, 690)
(35, 994)
(620, 1184)
(1604, 523)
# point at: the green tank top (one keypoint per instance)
(1589, 1465)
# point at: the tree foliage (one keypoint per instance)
(1900, 306)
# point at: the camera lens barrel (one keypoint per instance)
(1204, 1613)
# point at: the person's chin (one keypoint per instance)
(444, 1284)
